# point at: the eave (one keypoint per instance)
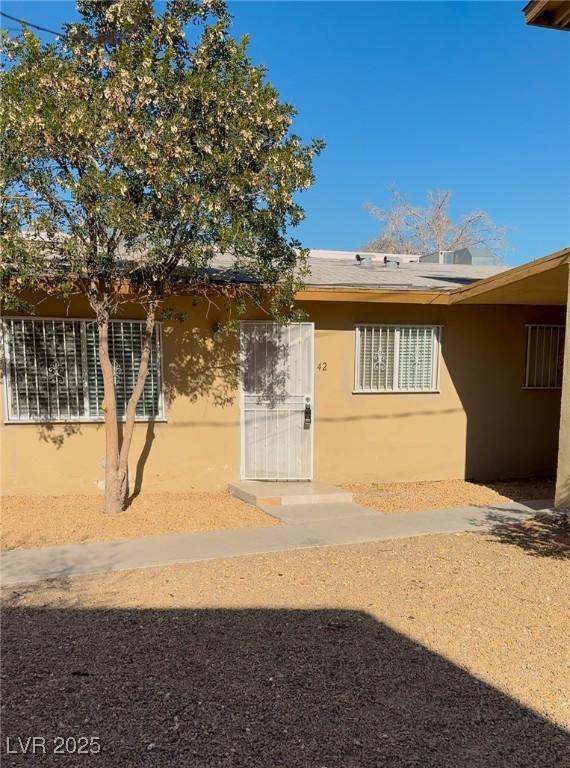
(553, 14)
(371, 295)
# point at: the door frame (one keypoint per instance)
(242, 405)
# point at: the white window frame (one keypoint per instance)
(86, 418)
(436, 360)
(561, 330)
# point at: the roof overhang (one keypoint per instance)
(548, 13)
(541, 282)
(371, 295)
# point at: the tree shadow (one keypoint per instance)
(544, 535)
(264, 365)
(141, 462)
(201, 361)
(209, 361)
(240, 688)
(55, 433)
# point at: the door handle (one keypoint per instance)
(308, 416)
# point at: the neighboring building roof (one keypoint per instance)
(472, 254)
(548, 13)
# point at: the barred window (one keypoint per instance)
(391, 358)
(53, 373)
(544, 356)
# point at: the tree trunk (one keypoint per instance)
(113, 495)
(117, 458)
(123, 468)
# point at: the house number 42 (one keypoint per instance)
(322, 366)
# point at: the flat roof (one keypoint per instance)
(347, 272)
(342, 270)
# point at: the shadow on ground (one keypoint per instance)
(267, 688)
(544, 535)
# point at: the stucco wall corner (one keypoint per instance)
(562, 498)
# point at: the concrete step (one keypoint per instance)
(293, 514)
(270, 494)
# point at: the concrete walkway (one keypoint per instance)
(304, 528)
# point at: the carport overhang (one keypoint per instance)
(544, 282)
(554, 14)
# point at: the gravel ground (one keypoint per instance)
(42, 521)
(393, 498)
(432, 652)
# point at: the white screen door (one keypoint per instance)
(277, 401)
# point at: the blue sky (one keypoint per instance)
(456, 95)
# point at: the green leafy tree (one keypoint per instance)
(131, 155)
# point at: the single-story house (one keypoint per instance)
(402, 371)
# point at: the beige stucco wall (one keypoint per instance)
(563, 474)
(481, 424)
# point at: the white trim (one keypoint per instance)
(84, 369)
(398, 325)
(160, 375)
(437, 361)
(81, 420)
(375, 392)
(396, 364)
(5, 365)
(356, 358)
(86, 418)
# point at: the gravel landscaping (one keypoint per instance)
(43, 521)
(394, 498)
(439, 651)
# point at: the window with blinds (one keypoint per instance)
(544, 356)
(53, 373)
(392, 358)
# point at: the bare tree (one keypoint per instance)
(407, 228)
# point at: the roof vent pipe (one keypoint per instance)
(364, 260)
